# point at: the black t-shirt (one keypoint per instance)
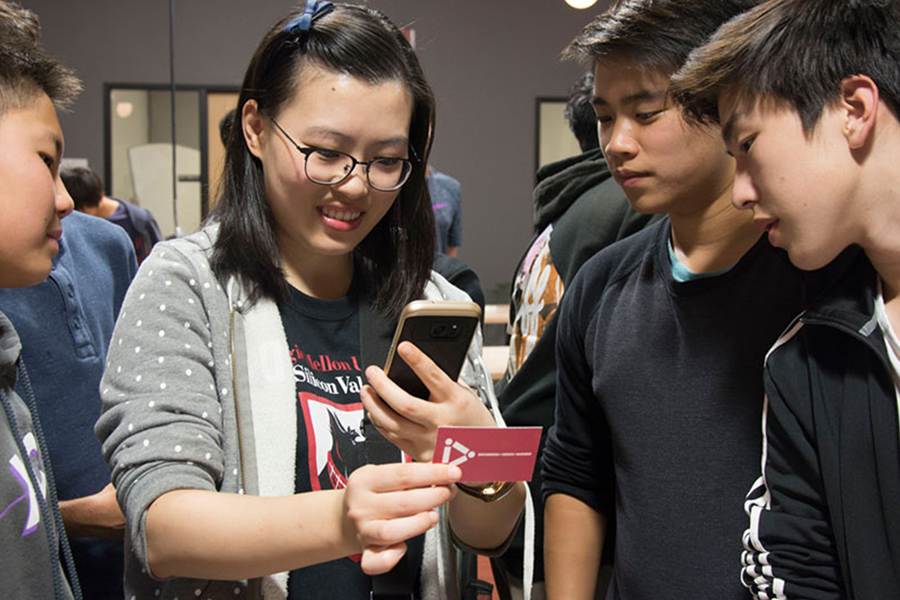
(323, 340)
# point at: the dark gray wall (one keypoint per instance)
(486, 59)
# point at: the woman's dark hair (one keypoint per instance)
(397, 255)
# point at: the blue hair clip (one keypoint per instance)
(301, 25)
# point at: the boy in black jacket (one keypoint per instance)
(808, 93)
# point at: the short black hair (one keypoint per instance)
(580, 112)
(26, 68)
(655, 34)
(798, 52)
(84, 185)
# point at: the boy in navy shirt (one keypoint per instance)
(661, 337)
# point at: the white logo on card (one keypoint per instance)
(450, 446)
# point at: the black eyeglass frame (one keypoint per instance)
(367, 164)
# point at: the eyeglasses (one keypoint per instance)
(330, 167)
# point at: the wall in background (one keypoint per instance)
(487, 60)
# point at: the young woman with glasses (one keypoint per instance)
(234, 394)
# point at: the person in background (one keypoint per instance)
(661, 337)
(578, 210)
(225, 125)
(808, 94)
(37, 561)
(87, 191)
(235, 399)
(446, 200)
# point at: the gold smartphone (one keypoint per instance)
(441, 329)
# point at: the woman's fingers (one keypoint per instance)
(381, 413)
(381, 479)
(387, 504)
(395, 398)
(411, 423)
(387, 532)
(376, 561)
(437, 382)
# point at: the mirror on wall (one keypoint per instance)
(139, 149)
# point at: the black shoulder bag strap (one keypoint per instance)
(375, 336)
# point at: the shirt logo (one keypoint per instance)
(20, 472)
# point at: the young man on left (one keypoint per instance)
(36, 561)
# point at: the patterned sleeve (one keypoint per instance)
(161, 426)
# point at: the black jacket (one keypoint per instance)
(825, 515)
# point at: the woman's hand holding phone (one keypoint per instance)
(411, 423)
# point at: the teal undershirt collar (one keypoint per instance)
(681, 273)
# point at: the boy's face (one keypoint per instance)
(32, 196)
(662, 163)
(799, 188)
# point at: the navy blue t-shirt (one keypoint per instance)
(659, 401)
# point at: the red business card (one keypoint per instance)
(489, 453)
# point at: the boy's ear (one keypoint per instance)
(252, 127)
(859, 103)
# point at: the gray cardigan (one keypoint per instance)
(199, 394)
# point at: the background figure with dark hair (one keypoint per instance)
(578, 210)
(225, 125)
(87, 192)
(580, 113)
(243, 405)
(446, 201)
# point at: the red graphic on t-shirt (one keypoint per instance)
(336, 444)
